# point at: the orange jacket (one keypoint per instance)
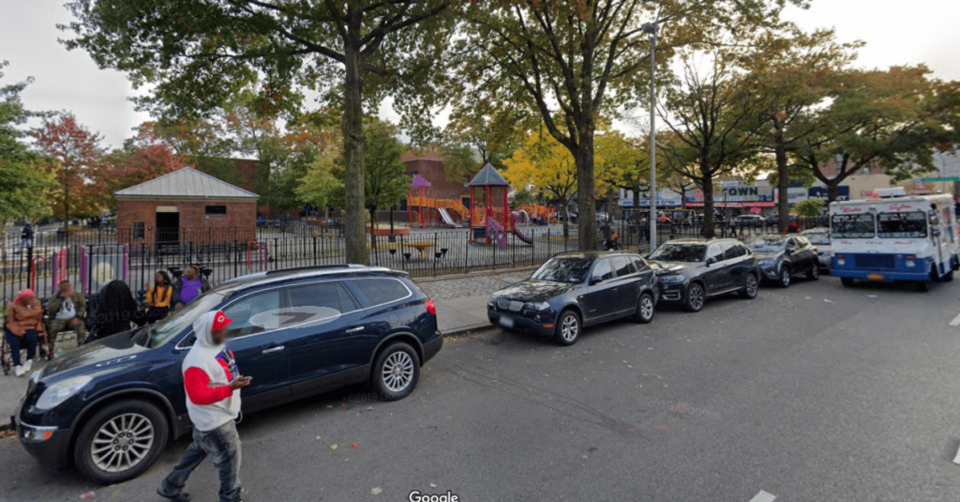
(22, 317)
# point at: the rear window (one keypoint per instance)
(380, 291)
(329, 295)
(622, 266)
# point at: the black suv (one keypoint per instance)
(691, 270)
(297, 332)
(572, 290)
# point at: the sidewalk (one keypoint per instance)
(461, 308)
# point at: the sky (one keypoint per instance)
(896, 32)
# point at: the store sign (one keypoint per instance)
(843, 193)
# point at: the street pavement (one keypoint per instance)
(814, 393)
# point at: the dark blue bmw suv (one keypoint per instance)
(109, 407)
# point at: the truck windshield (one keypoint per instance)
(912, 225)
(852, 226)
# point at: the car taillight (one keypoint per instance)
(431, 307)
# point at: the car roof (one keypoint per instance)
(816, 230)
(591, 254)
(289, 274)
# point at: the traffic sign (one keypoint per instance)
(940, 179)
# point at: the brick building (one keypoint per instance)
(430, 166)
(186, 206)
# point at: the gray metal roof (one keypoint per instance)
(186, 183)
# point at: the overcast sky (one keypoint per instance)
(896, 32)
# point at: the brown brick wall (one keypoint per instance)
(432, 170)
(239, 223)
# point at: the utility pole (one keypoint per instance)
(651, 29)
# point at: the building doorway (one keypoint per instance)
(168, 227)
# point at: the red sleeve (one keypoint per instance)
(197, 383)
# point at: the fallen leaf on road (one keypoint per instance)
(376, 491)
(433, 485)
(88, 496)
(333, 447)
(355, 446)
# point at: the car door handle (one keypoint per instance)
(354, 330)
(615, 290)
(272, 350)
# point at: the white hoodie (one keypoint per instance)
(208, 370)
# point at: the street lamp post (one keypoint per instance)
(651, 29)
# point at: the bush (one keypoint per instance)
(810, 208)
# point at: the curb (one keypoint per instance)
(468, 330)
(6, 426)
(473, 274)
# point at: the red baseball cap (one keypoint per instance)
(220, 320)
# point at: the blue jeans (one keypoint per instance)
(16, 343)
(222, 445)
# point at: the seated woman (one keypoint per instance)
(159, 299)
(22, 326)
(118, 311)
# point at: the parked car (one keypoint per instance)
(747, 221)
(692, 270)
(575, 290)
(782, 257)
(297, 332)
(601, 217)
(820, 237)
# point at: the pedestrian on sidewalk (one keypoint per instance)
(22, 326)
(189, 286)
(26, 237)
(159, 298)
(68, 308)
(213, 382)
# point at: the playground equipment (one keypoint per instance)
(491, 217)
(431, 211)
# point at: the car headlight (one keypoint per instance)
(672, 279)
(841, 261)
(911, 263)
(538, 306)
(768, 262)
(61, 391)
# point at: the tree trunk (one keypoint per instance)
(586, 188)
(783, 180)
(708, 231)
(353, 148)
(832, 189)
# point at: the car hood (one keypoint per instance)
(532, 290)
(768, 256)
(670, 267)
(108, 354)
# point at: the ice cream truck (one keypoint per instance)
(895, 237)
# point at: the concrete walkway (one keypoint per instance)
(461, 308)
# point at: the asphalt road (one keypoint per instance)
(815, 393)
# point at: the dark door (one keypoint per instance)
(329, 313)
(599, 300)
(795, 256)
(259, 345)
(168, 227)
(715, 275)
(626, 284)
(809, 253)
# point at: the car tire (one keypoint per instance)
(396, 372)
(645, 309)
(786, 277)
(948, 277)
(847, 282)
(132, 426)
(696, 297)
(814, 273)
(924, 286)
(751, 287)
(568, 328)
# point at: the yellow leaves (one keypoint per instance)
(544, 163)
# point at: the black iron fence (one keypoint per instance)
(91, 258)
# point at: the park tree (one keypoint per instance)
(810, 208)
(712, 117)
(481, 132)
(196, 54)
(576, 61)
(549, 166)
(795, 74)
(893, 119)
(75, 157)
(24, 185)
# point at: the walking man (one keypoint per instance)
(68, 308)
(213, 383)
(26, 237)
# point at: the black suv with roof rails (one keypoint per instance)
(692, 270)
(297, 332)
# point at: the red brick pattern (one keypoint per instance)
(239, 223)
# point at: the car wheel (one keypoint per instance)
(750, 287)
(847, 282)
(948, 277)
(568, 328)
(696, 296)
(120, 442)
(785, 277)
(814, 272)
(396, 372)
(924, 286)
(645, 309)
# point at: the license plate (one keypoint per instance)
(875, 277)
(506, 322)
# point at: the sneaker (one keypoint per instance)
(180, 497)
(19, 371)
(28, 366)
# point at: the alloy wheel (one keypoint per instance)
(695, 297)
(570, 328)
(785, 277)
(122, 442)
(751, 286)
(646, 307)
(397, 371)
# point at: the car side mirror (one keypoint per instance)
(711, 261)
(789, 251)
(596, 279)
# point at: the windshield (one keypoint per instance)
(768, 244)
(688, 253)
(818, 238)
(572, 270)
(176, 322)
(902, 225)
(852, 226)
